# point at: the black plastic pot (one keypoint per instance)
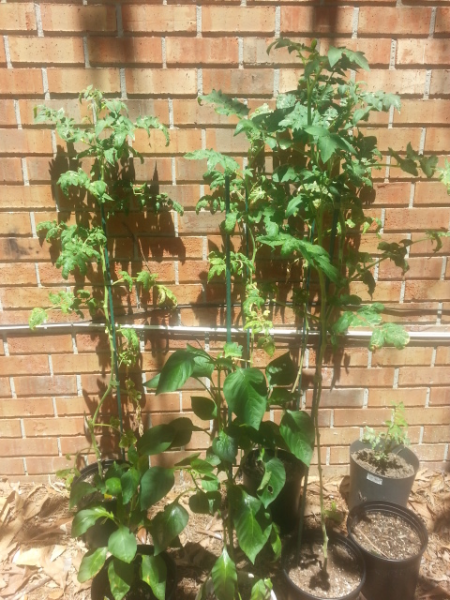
(285, 508)
(97, 536)
(295, 593)
(140, 590)
(389, 579)
(366, 486)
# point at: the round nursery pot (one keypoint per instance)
(243, 578)
(368, 486)
(348, 551)
(97, 536)
(286, 507)
(101, 590)
(388, 579)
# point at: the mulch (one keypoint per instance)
(39, 559)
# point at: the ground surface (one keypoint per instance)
(39, 559)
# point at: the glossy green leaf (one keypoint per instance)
(245, 391)
(155, 484)
(275, 482)
(154, 573)
(204, 408)
(79, 490)
(281, 370)
(262, 590)
(156, 440)
(177, 370)
(252, 523)
(91, 564)
(113, 486)
(122, 544)
(120, 575)
(130, 482)
(167, 525)
(84, 519)
(225, 447)
(224, 576)
(297, 430)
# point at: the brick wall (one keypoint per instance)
(159, 55)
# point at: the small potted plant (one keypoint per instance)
(115, 503)
(381, 465)
(236, 401)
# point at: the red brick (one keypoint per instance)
(443, 355)
(159, 19)
(10, 428)
(423, 52)
(440, 396)
(47, 465)
(338, 398)
(139, 107)
(162, 403)
(427, 452)
(202, 223)
(253, 82)
(424, 376)
(47, 51)
(68, 18)
(431, 193)
(15, 225)
(232, 19)
(394, 21)
(409, 397)
(12, 466)
(71, 81)
(181, 141)
(45, 386)
(25, 141)
(337, 436)
(7, 113)
(410, 81)
(26, 197)
(377, 51)
(223, 140)
(157, 82)
(426, 290)
(23, 365)
(5, 388)
(411, 355)
(361, 417)
(436, 434)
(440, 82)
(416, 219)
(24, 250)
(53, 427)
(17, 16)
(26, 407)
(28, 447)
(397, 138)
(424, 246)
(139, 50)
(420, 268)
(19, 82)
(80, 363)
(377, 377)
(386, 291)
(70, 445)
(388, 194)
(202, 51)
(305, 20)
(437, 140)
(442, 20)
(72, 108)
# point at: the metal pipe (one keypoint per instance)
(425, 336)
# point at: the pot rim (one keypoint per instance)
(333, 536)
(390, 507)
(241, 575)
(406, 453)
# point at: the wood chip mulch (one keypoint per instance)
(39, 559)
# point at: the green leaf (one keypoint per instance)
(130, 482)
(146, 279)
(281, 370)
(253, 524)
(91, 564)
(37, 317)
(205, 502)
(167, 525)
(275, 541)
(154, 573)
(122, 544)
(156, 440)
(155, 484)
(224, 104)
(245, 391)
(79, 490)
(275, 482)
(262, 590)
(177, 370)
(113, 486)
(224, 576)
(230, 223)
(85, 519)
(232, 350)
(204, 408)
(120, 575)
(225, 447)
(334, 55)
(297, 430)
